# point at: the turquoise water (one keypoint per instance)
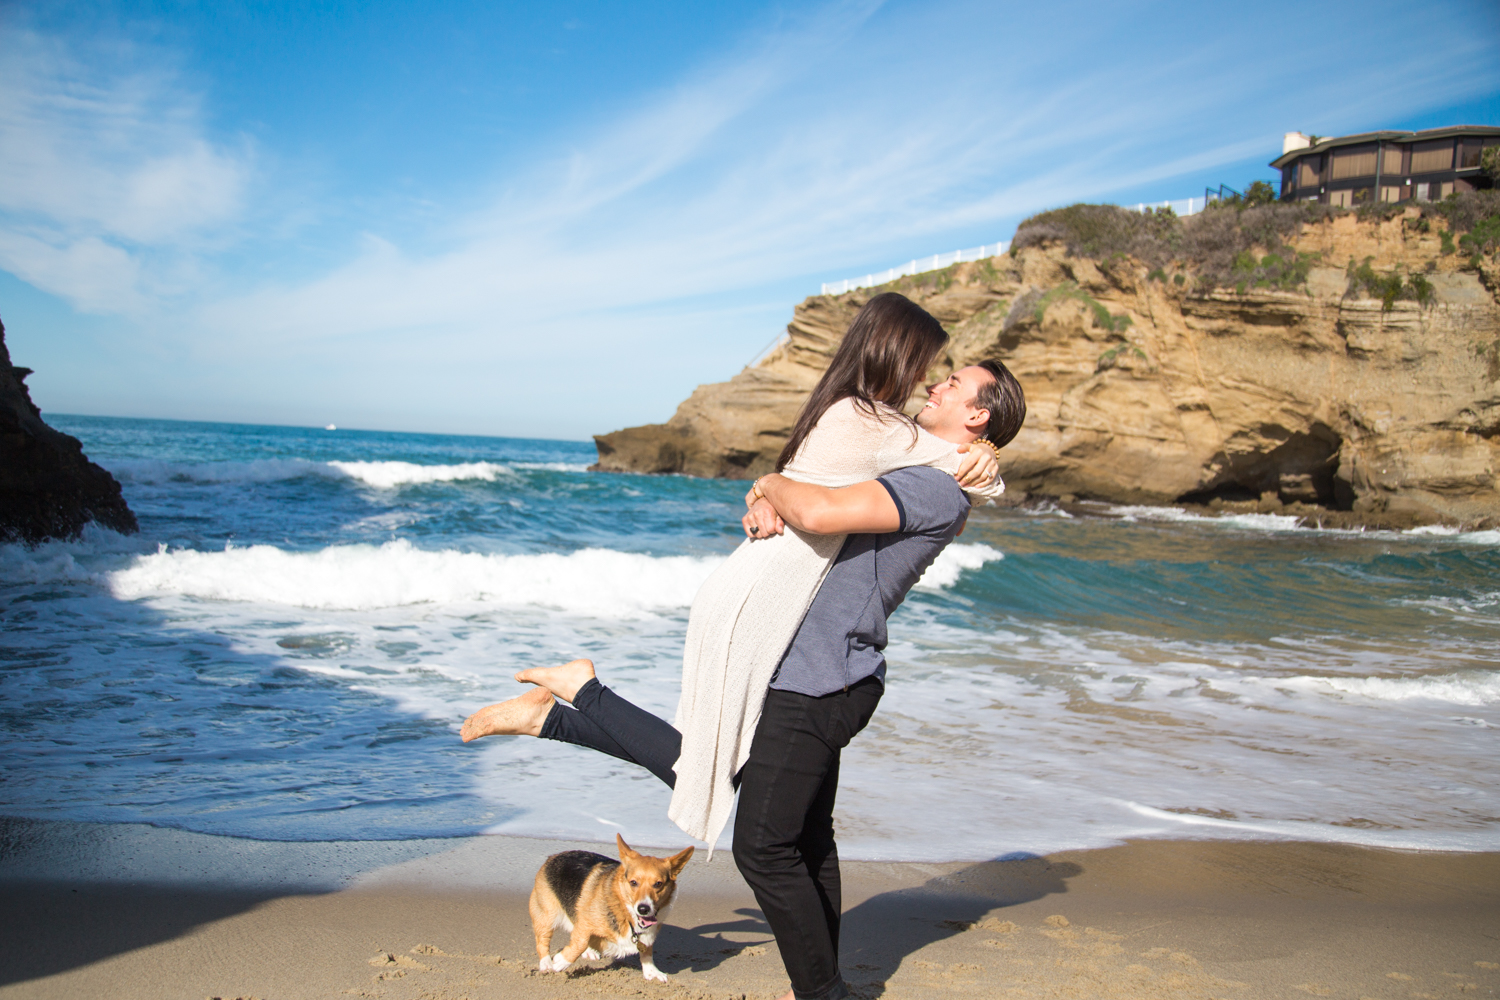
(287, 648)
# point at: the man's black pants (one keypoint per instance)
(783, 834)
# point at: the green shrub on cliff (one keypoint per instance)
(1232, 244)
(1465, 211)
(1101, 231)
(1388, 288)
(1209, 243)
(1483, 238)
(1115, 323)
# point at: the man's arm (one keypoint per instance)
(864, 508)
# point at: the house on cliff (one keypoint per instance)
(1354, 170)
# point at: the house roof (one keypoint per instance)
(1324, 145)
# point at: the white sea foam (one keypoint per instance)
(264, 470)
(382, 475)
(1456, 534)
(1476, 688)
(1254, 522)
(553, 466)
(389, 475)
(952, 561)
(599, 582)
(71, 561)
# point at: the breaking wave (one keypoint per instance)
(381, 475)
(1477, 688)
(599, 582)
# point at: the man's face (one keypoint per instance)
(949, 412)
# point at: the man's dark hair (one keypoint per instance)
(1005, 400)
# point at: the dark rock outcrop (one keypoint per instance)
(48, 488)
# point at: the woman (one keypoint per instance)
(851, 430)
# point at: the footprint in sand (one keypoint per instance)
(1398, 976)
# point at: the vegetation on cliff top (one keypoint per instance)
(1220, 244)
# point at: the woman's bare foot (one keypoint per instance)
(521, 716)
(563, 681)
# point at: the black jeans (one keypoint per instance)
(783, 833)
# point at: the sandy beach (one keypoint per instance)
(130, 911)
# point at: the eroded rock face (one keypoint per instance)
(48, 489)
(1141, 390)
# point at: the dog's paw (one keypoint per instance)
(652, 972)
(556, 963)
(591, 955)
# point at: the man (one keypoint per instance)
(828, 683)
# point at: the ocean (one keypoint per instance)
(288, 647)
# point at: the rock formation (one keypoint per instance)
(1147, 385)
(48, 488)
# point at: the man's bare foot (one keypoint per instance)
(790, 995)
(563, 681)
(521, 716)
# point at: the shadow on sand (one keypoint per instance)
(878, 934)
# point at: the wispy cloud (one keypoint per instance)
(106, 181)
(772, 163)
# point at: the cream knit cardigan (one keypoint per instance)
(747, 612)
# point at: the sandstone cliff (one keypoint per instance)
(1298, 389)
(48, 489)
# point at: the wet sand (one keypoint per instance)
(133, 912)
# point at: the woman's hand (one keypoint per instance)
(979, 466)
(761, 521)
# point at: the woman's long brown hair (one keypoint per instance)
(889, 347)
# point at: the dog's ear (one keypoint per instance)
(676, 861)
(625, 852)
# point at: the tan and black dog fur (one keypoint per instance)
(608, 907)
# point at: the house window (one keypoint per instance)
(1308, 171)
(1392, 193)
(1429, 157)
(1447, 190)
(1392, 158)
(1341, 199)
(1346, 165)
(1469, 156)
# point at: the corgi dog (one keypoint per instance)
(608, 907)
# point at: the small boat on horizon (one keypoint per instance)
(331, 427)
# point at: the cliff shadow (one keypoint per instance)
(115, 716)
(52, 927)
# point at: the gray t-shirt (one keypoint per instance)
(842, 639)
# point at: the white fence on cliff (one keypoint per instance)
(1182, 206)
(936, 262)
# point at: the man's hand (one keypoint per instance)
(979, 466)
(760, 520)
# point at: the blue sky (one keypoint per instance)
(555, 219)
